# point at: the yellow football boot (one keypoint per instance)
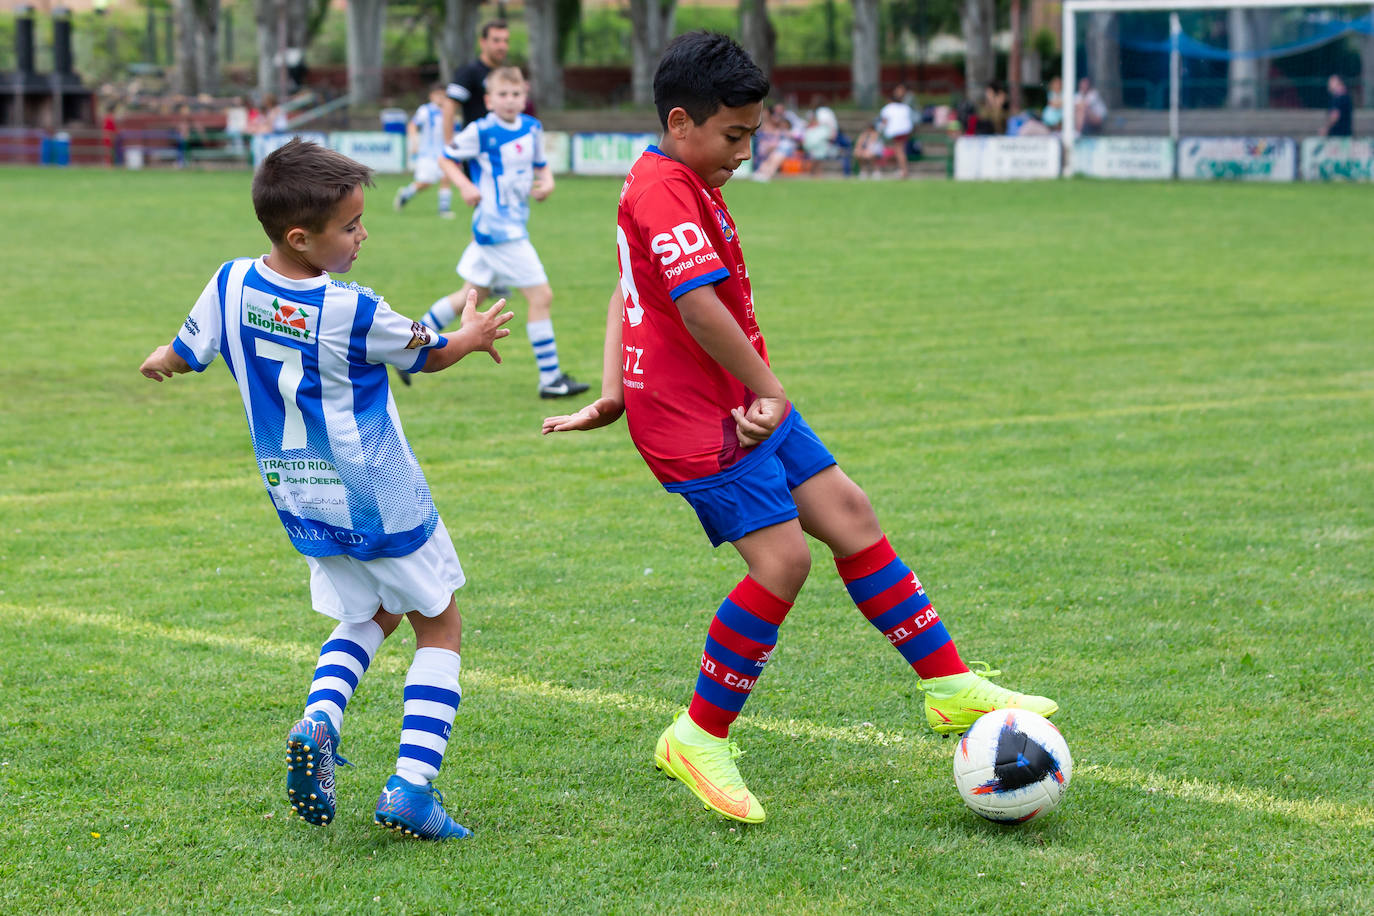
(706, 765)
(955, 702)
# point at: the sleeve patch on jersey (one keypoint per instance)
(419, 336)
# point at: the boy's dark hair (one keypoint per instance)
(703, 72)
(301, 184)
(493, 24)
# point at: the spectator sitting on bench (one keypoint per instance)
(773, 143)
(870, 152)
(820, 136)
(1090, 111)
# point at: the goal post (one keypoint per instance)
(1206, 51)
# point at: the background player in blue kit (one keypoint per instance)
(505, 149)
(309, 355)
(425, 142)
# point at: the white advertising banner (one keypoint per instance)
(1237, 158)
(608, 154)
(558, 151)
(1124, 157)
(1003, 158)
(265, 143)
(379, 150)
(1337, 159)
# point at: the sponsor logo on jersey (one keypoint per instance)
(280, 319)
(684, 239)
(273, 479)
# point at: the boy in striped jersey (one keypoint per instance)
(685, 361)
(309, 355)
(425, 142)
(505, 149)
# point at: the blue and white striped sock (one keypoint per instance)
(445, 200)
(344, 658)
(432, 696)
(440, 314)
(545, 349)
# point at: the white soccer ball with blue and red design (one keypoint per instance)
(1012, 766)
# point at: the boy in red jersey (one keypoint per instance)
(686, 362)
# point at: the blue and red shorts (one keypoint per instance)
(756, 491)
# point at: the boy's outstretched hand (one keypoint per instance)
(484, 328)
(164, 362)
(602, 412)
(756, 424)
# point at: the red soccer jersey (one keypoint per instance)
(675, 234)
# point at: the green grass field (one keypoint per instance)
(1124, 433)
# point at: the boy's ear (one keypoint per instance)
(679, 121)
(297, 238)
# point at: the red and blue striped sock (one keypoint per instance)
(742, 636)
(892, 599)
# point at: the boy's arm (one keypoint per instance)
(164, 362)
(479, 331)
(606, 409)
(714, 328)
(449, 108)
(470, 193)
(543, 183)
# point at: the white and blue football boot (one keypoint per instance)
(312, 751)
(416, 811)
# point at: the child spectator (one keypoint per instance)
(425, 143)
(506, 149)
(898, 121)
(309, 355)
(1053, 113)
(686, 362)
(870, 152)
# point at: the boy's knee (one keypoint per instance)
(444, 630)
(785, 571)
(856, 501)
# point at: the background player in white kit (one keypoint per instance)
(309, 355)
(506, 150)
(425, 142)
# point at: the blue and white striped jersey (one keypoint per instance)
(310, 359)
(429, 121)
(504, 156)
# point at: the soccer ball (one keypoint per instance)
(1012, 766)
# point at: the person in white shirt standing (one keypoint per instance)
(309, 355)
(898, 121)
(425, 143)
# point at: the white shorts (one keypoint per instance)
(427, 170)
(351, 590)
(514, 264)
